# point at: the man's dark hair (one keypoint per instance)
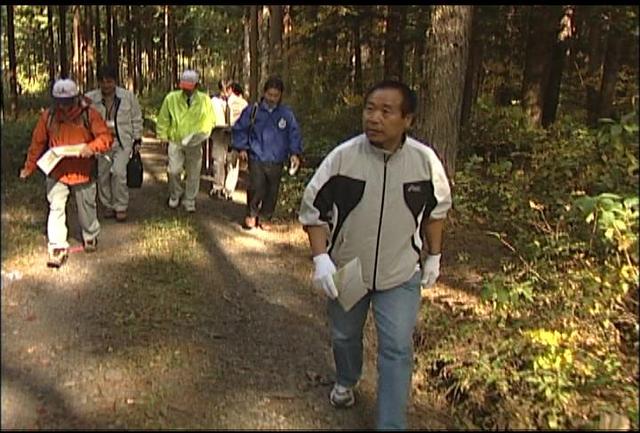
(274, 82)
(108, 71)
(409, 99)
(236, 88)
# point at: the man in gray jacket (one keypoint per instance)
(380, 197)
(121, 110)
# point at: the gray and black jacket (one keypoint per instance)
(373, 202)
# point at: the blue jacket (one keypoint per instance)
(274, 136)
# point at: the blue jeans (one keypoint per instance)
(395, 312)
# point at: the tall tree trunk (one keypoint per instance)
(358, 85)
(88, 46)
(610, 72)
(275, 39)
(173, 54)
(110, 42)
(129, 30)
(62, 37)
(77, 49)
(115, 44)
(246, 58)
(538, 61)
(473, 70)
(394, 42)
(558, 61)
(13, 76)
(441, 99)
(594, 65)
(263, 43)
(98, 38)
(51, 57)
(138, 82)
(287, 29)
(167, 34)
(253, 50)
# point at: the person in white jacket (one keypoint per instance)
(121, 111)
(380, 197)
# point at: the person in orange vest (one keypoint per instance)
(70, 121)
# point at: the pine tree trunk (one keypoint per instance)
(558, 61)
(253, 52)
(538, 62)
(610, 73)
(62, 38)
(441, 100)
(275, 22)
(473, 70)
(98, 38)
(358, 85)
(51, 58)
(13, 76)
(594, 65)
(394, 42)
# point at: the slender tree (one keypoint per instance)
(253, 52)
(610, 71)
(394, 42)
(276, 27)
(97, 37)
(13, 76)
(51, 58)
(62, 37)
(538, 60)
(441, 100)
(566, 30)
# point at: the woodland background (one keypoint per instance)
(533, 109)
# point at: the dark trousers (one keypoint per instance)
(264, 183)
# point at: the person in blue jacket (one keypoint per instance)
(266, 135)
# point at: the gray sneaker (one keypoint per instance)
(342, 396)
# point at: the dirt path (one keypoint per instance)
(108, 341)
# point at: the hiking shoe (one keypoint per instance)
(266, 226)
(57, 257)
(90, 245)
(190, 209)
(249, 223)
(341, 396)
(173, 202)
(121, 216)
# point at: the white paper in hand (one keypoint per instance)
(52, 157)
(348, 281)
(48, 161)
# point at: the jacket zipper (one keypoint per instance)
(384, 186)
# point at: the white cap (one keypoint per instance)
(189, 79)
(65, 88)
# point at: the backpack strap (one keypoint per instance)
(85, 121)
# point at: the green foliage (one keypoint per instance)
(563, 314)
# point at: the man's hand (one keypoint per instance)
(86, 151)
(244, 157)
(323, 275)
(430, 270)
(294, 164)
(24, 173)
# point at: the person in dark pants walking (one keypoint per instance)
(267, 135)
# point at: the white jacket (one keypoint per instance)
(128, 116)
(373, 203)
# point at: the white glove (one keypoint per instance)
(323, 275)
(430, 270)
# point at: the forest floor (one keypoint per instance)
(188, 321)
